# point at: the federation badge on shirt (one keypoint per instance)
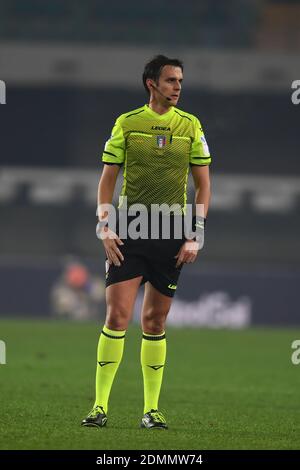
(161, 141)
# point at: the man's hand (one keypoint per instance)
(187, 253)
(111, 241)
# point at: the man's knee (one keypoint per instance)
(117, 317)
(154, 319)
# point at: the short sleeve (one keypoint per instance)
(114, 150)
(200, 154)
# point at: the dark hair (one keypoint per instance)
(154, 67)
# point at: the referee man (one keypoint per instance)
(157, 145)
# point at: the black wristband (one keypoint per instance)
(198, 226)
(198, 222)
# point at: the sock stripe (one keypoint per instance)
(112, 337)
(154, 338)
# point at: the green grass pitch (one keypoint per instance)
(222, 389)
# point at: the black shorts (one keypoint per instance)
(154, 259)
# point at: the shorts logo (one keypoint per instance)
(172, 286)
(161, 141)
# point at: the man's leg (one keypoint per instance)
(120, 300)
(153, 351)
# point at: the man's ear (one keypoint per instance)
(149, 83)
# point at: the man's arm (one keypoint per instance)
(202, 187)
(113, 156)
(106, 188)
(189, 250)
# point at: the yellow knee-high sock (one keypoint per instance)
(109, 355)
(153, 357)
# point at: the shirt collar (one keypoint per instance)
(157, 115)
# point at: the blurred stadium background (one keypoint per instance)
(72, 67)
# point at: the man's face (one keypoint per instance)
(169, 84)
